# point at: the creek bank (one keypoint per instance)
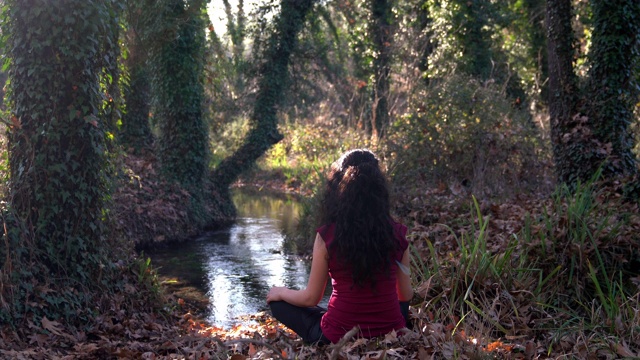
(153, 212)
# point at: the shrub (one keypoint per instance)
(468, 133)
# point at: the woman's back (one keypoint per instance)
(375, 310)
(359, 246)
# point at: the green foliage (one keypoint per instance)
(524, 41)
(227, 138)
(464, 32)
(613, 90)
(273, 79)
(476, 289)
(320, 71)
(4, 155)
(228, 78)
(135, 130)
(592, 119)
(176, 37)
(468, 133)
(526, 288)
(582, 236)
(57, 152)
(146, 277)
(370, 28)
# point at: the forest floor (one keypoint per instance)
(513, 326)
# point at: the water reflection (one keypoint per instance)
(235, 267)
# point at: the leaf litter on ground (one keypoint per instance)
(435, 215)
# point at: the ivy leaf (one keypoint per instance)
(91, 119)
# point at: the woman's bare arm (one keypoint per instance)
(403, 278)
(312, 294)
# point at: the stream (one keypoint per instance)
(235, 267)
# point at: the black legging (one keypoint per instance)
(305, 321)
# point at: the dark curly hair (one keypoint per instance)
(356, 199)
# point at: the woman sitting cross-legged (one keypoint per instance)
(362, 249)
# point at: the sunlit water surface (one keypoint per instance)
(235, 267)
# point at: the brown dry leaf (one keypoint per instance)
(623, 350)
(390, 337)
(530, 349)
(399, 353)
(423, 289)
(53, 327)
(272, 332)
(125, 353)
(237, 357)
(86, 348)
(252, 349)
(40, 339)
(425, 353)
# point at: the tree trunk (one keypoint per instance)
(591, 131)
(477, 52)
(562, 89)
(274, 74)
(57, 142)
(381, 29)
(56, 153)
(178, 78)
(612, 89)
(135, 132)
(538, 39)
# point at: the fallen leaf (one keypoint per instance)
(530, 349)
(623, 350)
(390, 337)
(494, 345)
(53, 327)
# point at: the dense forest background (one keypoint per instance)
(508, 130)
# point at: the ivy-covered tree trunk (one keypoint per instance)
(273, 79)
(135, 131)
(612, 89)
(471, 25)
(237, 31)
(590, 125)
(111, 72)
(178, 73)
(56, 152)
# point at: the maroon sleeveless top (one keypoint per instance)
(377, 312)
